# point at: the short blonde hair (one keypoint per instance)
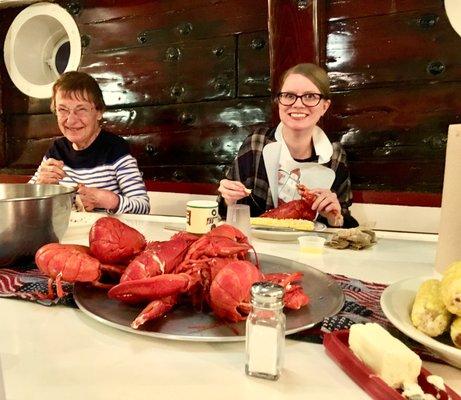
(313, 72)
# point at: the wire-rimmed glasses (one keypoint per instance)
(79, 111)
(308, 99)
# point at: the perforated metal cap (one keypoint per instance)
(267, 295)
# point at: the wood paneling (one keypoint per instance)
(168, 136)
(160, 52)
(253, 69)
(342, 9)
(405, 47)
(186, 80)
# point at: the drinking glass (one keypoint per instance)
(238, 215)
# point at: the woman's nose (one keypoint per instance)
(72, 117)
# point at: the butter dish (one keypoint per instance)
(337, 348)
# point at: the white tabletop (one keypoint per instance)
(61, 353)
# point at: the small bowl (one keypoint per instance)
(311, 244)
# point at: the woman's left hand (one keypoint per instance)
(327, 205)
(97, 198)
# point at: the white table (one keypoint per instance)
(60, 353)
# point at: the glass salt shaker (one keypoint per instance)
(265, 331)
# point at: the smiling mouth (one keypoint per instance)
(297, 115)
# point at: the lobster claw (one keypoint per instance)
(149, 289)
(113, 242)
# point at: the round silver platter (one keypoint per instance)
(183, 323)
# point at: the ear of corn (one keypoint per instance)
(455, 332)
(429, 314)
(301, 224)
(451, 288)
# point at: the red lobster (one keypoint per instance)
(297, 209)
(69, 263)
(192, 275)
(213, 270)
(111, 242)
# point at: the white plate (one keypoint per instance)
(280, 236)
(396, 303)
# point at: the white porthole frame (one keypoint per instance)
(65, 29)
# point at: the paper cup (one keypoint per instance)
(201, 216)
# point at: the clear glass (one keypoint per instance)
(238, 215)
(265, 342)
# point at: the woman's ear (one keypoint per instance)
(326, 105)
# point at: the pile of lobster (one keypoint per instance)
(209, 271)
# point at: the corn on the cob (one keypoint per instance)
(455, 332)
(451, 288)
(301, 224)
(429, 314)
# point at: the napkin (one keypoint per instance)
(26, 282)
(354, 238)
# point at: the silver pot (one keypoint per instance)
(31, 216)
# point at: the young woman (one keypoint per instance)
(98, 162)
(271, 163)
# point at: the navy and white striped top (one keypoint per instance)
(105, 164)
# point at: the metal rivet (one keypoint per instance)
(185, 28)
(218, 51)
(142, 37)
(221, 84)
(73, 7)
(302, 4)
(150, 150)
(172, 54)
(186, 118)
(178, 176)
(177, 90)
(435, 68)
(427, 21)
(257, 43)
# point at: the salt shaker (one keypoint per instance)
(265, 331)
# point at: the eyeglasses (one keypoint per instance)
(308, 99)
(80, 112)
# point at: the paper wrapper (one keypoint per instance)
(448, 248)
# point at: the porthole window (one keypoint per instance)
(42, 42)
(61, 58)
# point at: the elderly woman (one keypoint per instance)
(98, 162)
(270, 164)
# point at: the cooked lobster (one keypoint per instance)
(211, 271)
(69, 263)
(112, 243)
(296, 209)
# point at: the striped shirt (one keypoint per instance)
(105, 164)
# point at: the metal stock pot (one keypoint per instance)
(31, 216)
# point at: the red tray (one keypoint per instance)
(337, 347)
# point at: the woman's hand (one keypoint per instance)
(50, 171)
(97, 198)
(232, 191)
(327, 205)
